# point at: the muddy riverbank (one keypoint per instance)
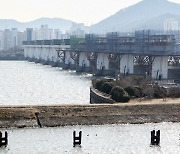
(50, 116)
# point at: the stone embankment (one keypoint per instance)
(97, 97)
(51, 116)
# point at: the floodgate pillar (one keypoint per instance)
(160, 67)
(127, 64)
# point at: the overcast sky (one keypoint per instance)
(81, 11)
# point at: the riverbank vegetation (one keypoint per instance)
(124, 89)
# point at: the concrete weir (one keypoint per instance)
(81, 63)
(140, 53)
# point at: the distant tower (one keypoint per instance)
(7, 39)
(57, 34)
(44, 32)
(171, 24)
(1, 40)
(29, 33)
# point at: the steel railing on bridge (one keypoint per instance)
(147, 42)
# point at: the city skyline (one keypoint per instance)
(88, 12)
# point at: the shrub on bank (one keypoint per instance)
(174, 92)
(106, 87)
(119, 95)
(134, 87)
(125, 99)
(132, 91)
(99, 84)
(149, 92)
(159, 92)
(141, 91)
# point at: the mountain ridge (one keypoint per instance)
(147, 14)
(55, 23)
(137, 15)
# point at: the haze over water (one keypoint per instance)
(25, 83)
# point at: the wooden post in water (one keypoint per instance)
(38, 120)
(3, 140)
(155, 138)
(77, 139)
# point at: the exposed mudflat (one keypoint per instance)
(134, 112)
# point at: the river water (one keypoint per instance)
(25, 83)
(106, 139)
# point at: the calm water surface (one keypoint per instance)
(25, 83)
(107, 139)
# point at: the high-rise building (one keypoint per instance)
(20, 39)
(1, 40)
(57, 34)
(7, 39)
(171, 24)
(14, 38)
(35, 35)
(50, 34)
(29, 34)
(77, 29)
(43, 32)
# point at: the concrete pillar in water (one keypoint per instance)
(45, 52)
(53, 55)
(68, 59)
(83, 61)
(160, 67)
(33, 52)
(127, 64)
(36, 52)
(102, 61)
(50, 53)
(25, 51)
(30, 52)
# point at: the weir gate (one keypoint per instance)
(146, 52)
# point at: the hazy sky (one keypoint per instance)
(82, 11)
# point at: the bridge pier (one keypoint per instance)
(44, 54)
(69, 62)
(160, 68)
(127, 64)
(103, 66)
(37, 53)
(53, 61)
(60, 58)
(174, 68)
(26, 49)
(84, 63)
(30, 53)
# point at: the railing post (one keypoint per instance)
(77, 139)
(3, 140)
(155, 138)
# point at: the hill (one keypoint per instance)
(55, 23)
(143, 15)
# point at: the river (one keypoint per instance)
(106, 139)
(26, 83)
